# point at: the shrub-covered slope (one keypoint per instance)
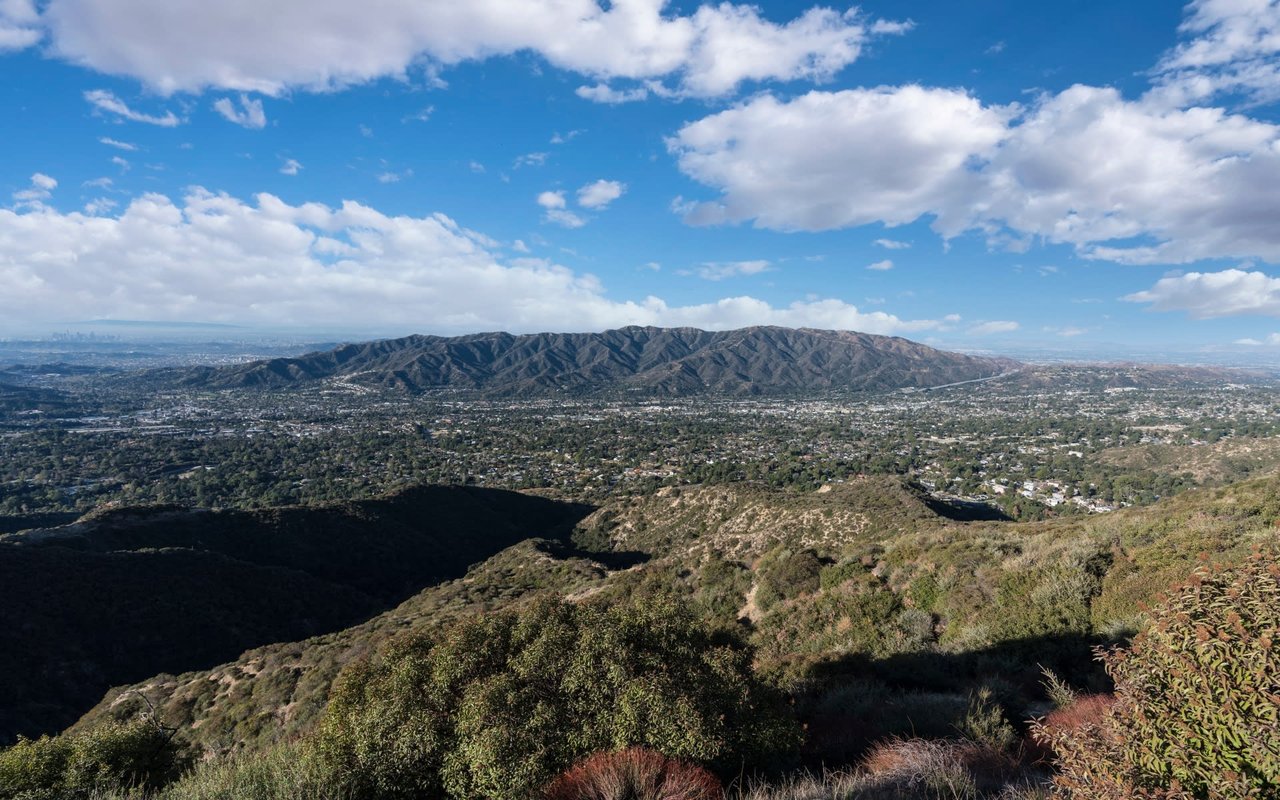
(882, 615)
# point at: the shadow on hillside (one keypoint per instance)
(612, 560)
(966, 510)
(13, 524)
(853, 702)
(130, 593)
(1017, 663)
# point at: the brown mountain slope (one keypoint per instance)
(659, 361)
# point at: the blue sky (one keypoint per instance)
(994, 175)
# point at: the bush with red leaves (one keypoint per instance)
(1087, 709)
(636, 773)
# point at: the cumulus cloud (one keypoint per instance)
(719, 270)
(881, 266)
(19, 25)
(324, 44)
(600, 193)
(836, 159)
(1204, 295)
(551, 199)
(1232, 49)
(994, 326)
(291, 166)
(556, 210)
(214, 257)
(1127, 181)
(104, 100)
(250, 113)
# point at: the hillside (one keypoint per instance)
(862, 590)
(657, 361)
(124, 594)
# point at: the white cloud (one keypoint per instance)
(564, 218)
(104, 100)
(422, 115)
(1232, 50)
(529, 160)
(19, 25)
(830, 160)
(325, 44)
(249, 115)
(291, 166)
(122, 163)
(1203, 295)
(1272, 340)
(993, 327)
(551, 199)
(394, 177)
(107, 140)
(603, 93)
(881, 266)
(1133, 182)
(600, 193)
(476, 167)
(891, 244)
(719, 270)
(41, 188)
(554, 203)
(99, 206)
(217, 258)
(565, 138)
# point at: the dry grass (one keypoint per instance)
(636, 773)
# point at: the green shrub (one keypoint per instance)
(502, 703)
(858, 616)
(1037, 603)
(783, 574)
(986, 724)
(1197, 710)
(108, 758)
(285, 772)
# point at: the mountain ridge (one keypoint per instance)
(634, 360)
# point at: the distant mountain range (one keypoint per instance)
(633, 360)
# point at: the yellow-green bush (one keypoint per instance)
(502, 703)
(1197, 712)
(111, 757)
